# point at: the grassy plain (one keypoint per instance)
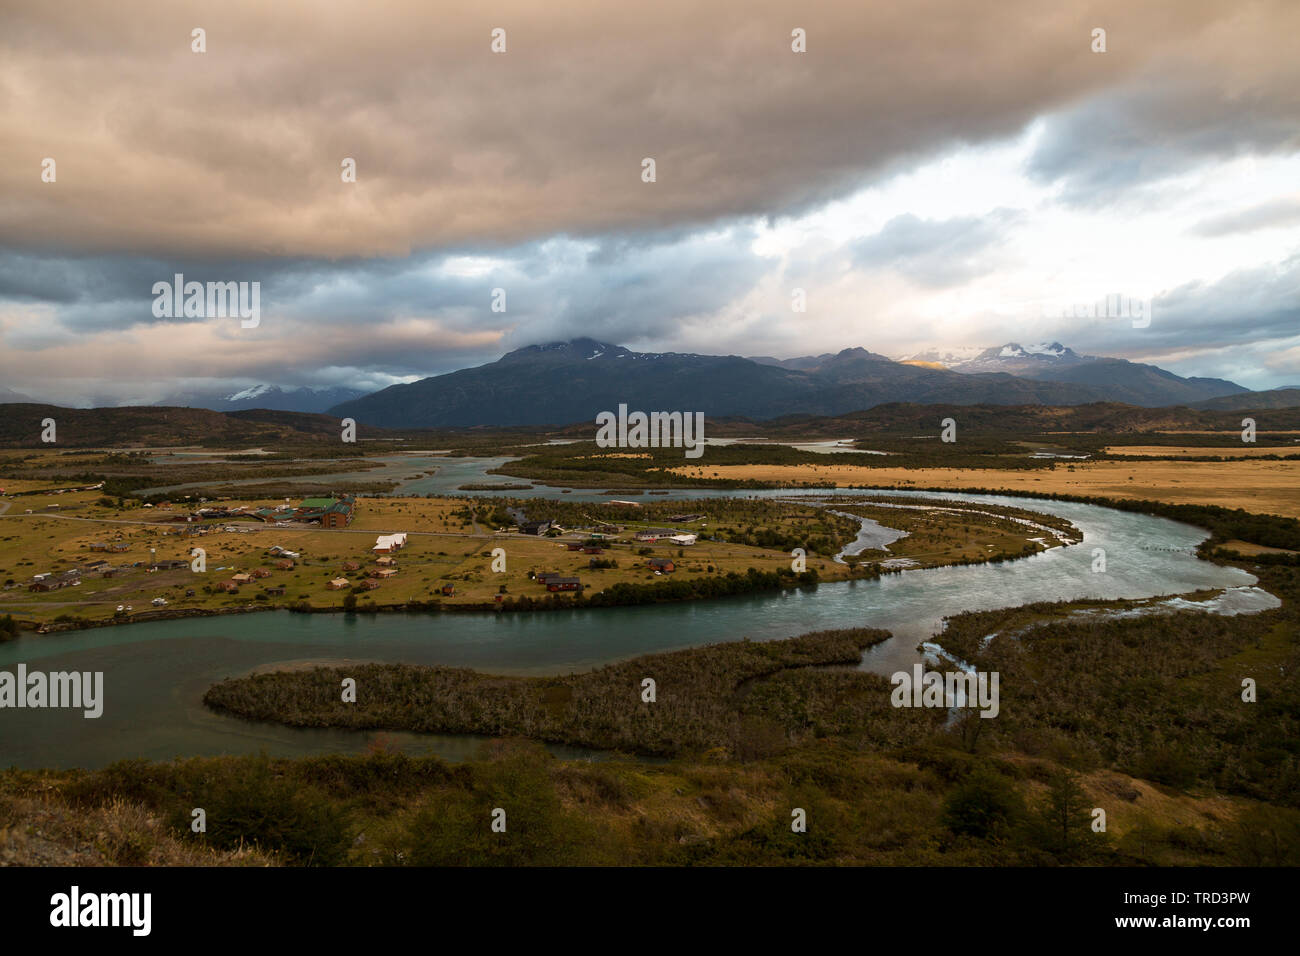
(450, 542)
(1269, 487)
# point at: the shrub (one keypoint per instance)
(983, 805)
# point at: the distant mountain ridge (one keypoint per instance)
(563, 382)
(20, 426)
(292, 398)
(812, 363)
(1118, 380)
(150, 426)
(1284, 397)
(309, 399)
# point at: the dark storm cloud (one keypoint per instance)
(522, 171)
(162, 151)
(414, 316)
(1163, 126)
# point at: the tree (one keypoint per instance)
(969, 725)
(1065, 818)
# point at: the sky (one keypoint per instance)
(936, 174)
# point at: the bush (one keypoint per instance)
(254, 806)
(983, 805)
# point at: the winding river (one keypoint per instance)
(155, 674)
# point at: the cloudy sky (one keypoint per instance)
(933, 174)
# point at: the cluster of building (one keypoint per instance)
(667, 534)
(372, 580)
(555, 581)
(235, 581)
(327, 512)
(53, 582)
(385, 545)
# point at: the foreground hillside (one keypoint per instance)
(1142, 718)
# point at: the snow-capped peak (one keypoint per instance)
(1045, 349)
(248, 393)
(1055, 349)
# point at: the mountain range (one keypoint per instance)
(572, 381)
(565, 382)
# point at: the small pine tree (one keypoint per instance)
(1065, 819)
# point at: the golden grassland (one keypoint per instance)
(1270, 487)
(1198, 451)
(1247, 547)
(1211, 431)
(23, 485)
(443, 548)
